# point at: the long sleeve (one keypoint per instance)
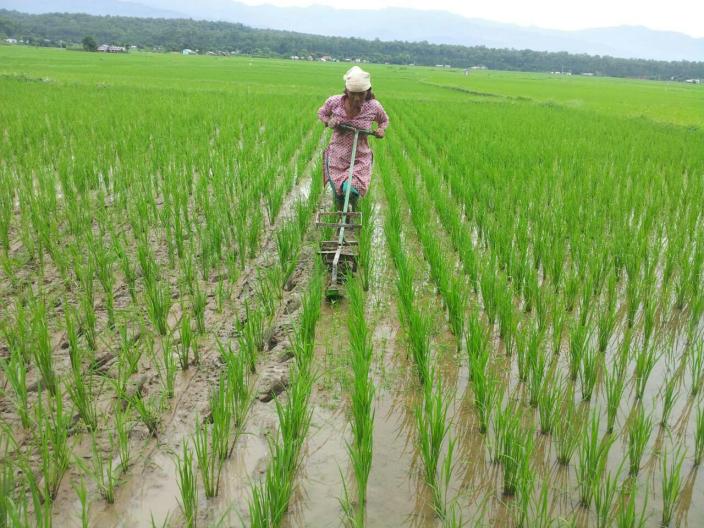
(380, 117)
(326, 110)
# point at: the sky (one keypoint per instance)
(683, 16)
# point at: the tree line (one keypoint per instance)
(67, 29)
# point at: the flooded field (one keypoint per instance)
(521, 346)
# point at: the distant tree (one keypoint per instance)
(89, 43)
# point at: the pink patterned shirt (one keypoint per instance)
(336, 158)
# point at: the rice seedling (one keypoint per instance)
(102, 470)
(199, 301)
(168, 366)
(208, 459)
(593, 453)
(604, 498)
(187, 486)
(639, 431)
(82, 494)
(568, 428)
(80, 390)
(186, 342)
(222, 403)
(251, 338)
(237, 392)
(50, 435)
(122, 428)
(362, 396)
(579, 337)
(41, 351)
(696, 366)
(15, 372)
(614, 384)
(541, 517)
(671, 484)
(645, 363)
(669, 397)
(536, 365)
(627, 516)
(548, 406)
(147, 411)
(365, 241)
(158, 299)
(589, 371)
(515, 447)
(699, 436)
(432, 426)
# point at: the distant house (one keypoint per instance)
(295, 57)
(693, 81)
(326, 58)
(11, 41)
(187, 52)
(109, 48)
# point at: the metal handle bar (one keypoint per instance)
(361, 131)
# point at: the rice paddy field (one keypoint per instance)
(521, 346)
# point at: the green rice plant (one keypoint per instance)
(15, 372)
(568, 428)
(199, 302)
(558, 323)
(366, 235)
(671, 484)
(593, 454)
(221, 414)
(187, 486)
(699, 436)
(186, 341)
(639, 431)
(515, 447)
(41, 351)
(607, 317)
(537, 363)
(548, 406)
(74, 350)
(168, 366)
(589, 371)
(670, 393)
(579, 338)
(126, 267)
(419, 325)
(82, 494)
(431, 421)
(128, 353)
(645, 363)
(626, 514)
(541, 517)
(287, 243)
(362, 396)
(251, 338)
(208, 459)
(604, 498)
(147, 412)
(103, 263)
(102, 470)
(80, 390)
(696, 366)
(51, 437)
(122, 428)
(614, 383)
(158, 304)
(238, 392)
(268, 291)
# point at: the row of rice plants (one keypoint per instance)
(270, 496)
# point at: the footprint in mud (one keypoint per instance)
(274, 380)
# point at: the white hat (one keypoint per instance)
(357, 80)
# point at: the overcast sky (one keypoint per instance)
(684, 16)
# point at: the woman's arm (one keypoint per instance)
(325, 112)
(382, 120)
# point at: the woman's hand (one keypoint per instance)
(379, 132)
(333, 122)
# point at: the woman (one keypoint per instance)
(356, 107)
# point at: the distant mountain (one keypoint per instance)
(90, 7)
(438, 27)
